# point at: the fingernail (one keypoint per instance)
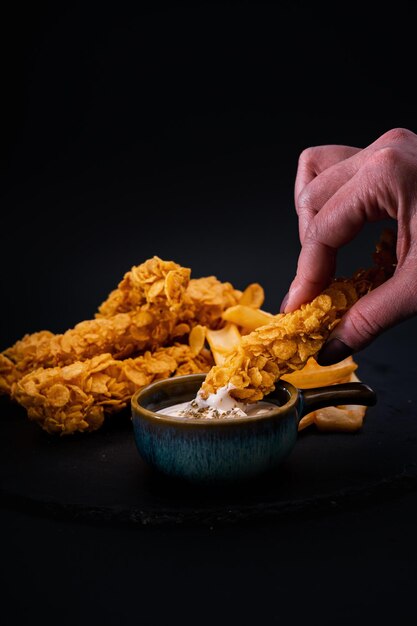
(284, 303)
(333, 351)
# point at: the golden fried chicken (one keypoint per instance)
(154, 305)
(122, 335)
(154, 282)
(202, 301)
(205, 301)
(77, 397)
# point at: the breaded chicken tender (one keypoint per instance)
(121, 336)
(286, 344)
(154, 304)
(201, 302)
(206, 299)
(77, 397)
(154, 282)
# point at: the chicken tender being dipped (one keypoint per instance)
(285, 345)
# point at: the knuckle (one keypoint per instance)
(364, 324)
(307, 156)
(398, 135)
(313, 234)
(305, 200)
(307, 276)
(387, 157)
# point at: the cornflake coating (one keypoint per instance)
(196, 301)
(278, 348)
(13, 360)
(8, 374)
(120, 335)
(154, 304)
(157, 282)
(77, 397)
(159, 290)
(286, 344)
(206, 299)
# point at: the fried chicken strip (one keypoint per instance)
(121, 336)
(77, 397)
(155, 282)
(154, 304)
(203, 301)
(154, 321)
(286, 344)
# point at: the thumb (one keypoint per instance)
(387, 305)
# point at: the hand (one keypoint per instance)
(337, 190)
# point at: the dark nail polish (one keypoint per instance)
(333, 351)
(284, 303)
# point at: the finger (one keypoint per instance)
(313, 161)
(315, 195)
(315, 269)
(334, 226)
(373, 314)
(338, 222)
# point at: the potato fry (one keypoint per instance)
(247, 317)
(307, 420)
(223, 342)
(315, 375)
(340, 418)
(197, 338)
(253, 296)
(344, 418)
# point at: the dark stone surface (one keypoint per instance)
(100, 477)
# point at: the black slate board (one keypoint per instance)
(100, 477)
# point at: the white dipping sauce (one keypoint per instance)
(219, 405)
(192, 410)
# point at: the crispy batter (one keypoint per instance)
(156, 282)
(206, 300)
(201, 302)
(154, 304)
(121, 335)
(8, 374)
(76, 398)
(278, 348)
(286, 344)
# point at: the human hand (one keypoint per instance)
(337, 190)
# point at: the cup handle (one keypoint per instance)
(335, 395)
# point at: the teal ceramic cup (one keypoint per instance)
(226, 450)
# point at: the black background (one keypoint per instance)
(174, 129)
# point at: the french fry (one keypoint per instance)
(197, 338)
(340, 418)
(247, 317)
(253, 296)
(344, 418)
(315, 375)
(222, 342)
(307, 420)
